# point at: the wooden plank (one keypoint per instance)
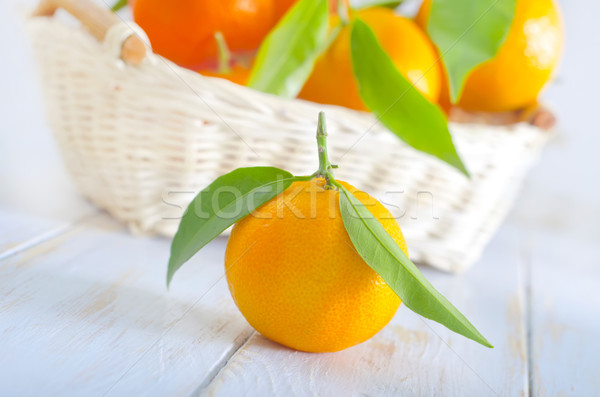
(15, 229)
(410, 356)
(88, 313)
(565, 319)
(19, 231)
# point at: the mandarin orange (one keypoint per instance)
(238, 74)
(295, 276)
(525, 63)
(183, 31)
(332, 80)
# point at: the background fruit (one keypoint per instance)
(238, 74)
(526, 61)
(183, 31)
(333, 81)
(299, 281)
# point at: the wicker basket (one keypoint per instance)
(140, 139)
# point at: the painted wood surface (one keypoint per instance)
(88, 308)
(564, 316)
(88, 313)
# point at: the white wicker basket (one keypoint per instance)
(139, 141)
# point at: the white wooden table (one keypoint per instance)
(84, 309)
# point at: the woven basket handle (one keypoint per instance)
(98, 20)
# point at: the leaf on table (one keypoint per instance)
(398, 105)
(288, 54)
(228, 199)
(468, 33)
(379, 250)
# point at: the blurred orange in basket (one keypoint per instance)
(234, 70)
(238, 74)
(525, 62)
(183, 31)
(333, 81)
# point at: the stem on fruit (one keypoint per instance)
(325, 167)
(118, 5)
(342, 10)
(224, 54)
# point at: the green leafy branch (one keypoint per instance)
(210, 213)
(287, 57)
(466, 33)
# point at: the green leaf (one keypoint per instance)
(222, 203)
(468, 33)
(118, 5)
(397, 104)
(378, 3)
(288, 54)
(384, 255)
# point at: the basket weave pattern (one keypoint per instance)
(139, 141)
